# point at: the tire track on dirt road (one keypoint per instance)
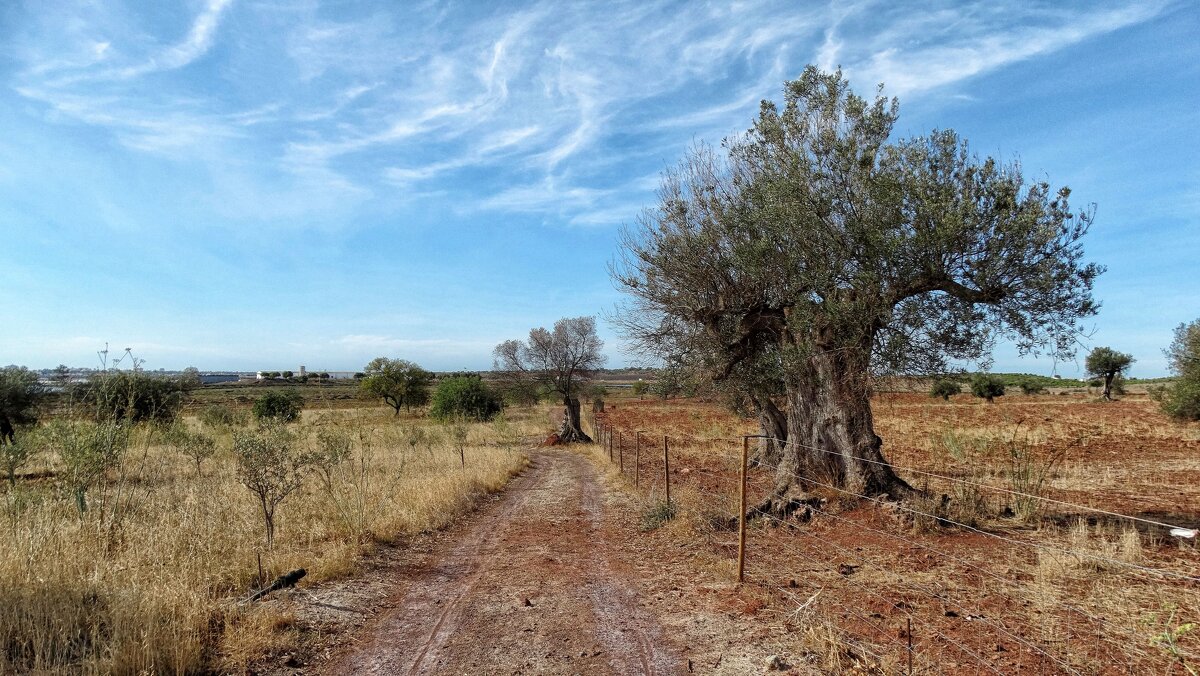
(529, 585)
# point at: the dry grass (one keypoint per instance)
(148, 580)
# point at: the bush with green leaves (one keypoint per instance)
(279, 406)
(88, 450)
(464, 397)
(220, 415)
(196, 446)
(944, 388)
(399, 383)
(272, 465)
(133, 396)
(15, 454)
(1030, 386)
(1181, 398)
(987, 386)
(20, 396)
(333, 447)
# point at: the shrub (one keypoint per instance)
(15, 454)
(944, 388)
(278, 406)
(1031, 386)
(20, 395)
(464, 397)
(987, 386)
(88, 450)
(196, 446)
(1181, 399)
(218, 415)
(270, 464)
(640, 388)
(133, 396)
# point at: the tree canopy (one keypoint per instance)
(562, 360)
(398, 382)
(1107, 363)
(816, 251)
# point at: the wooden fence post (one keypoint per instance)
(667, 469)
(637, 457)
(742, 514)
(610, 456)
(621, 452)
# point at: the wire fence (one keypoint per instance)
(985, 596)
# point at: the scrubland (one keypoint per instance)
(151, 577)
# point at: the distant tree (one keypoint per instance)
(819, 250)
(61, 375)
(944, 388)
(563, 360)
(640, 388)
(399, 383)
(987, 386)
(20, 396)
(190, 378)
(1107, 363)
(464, 397)
(1181, 398)
(286, 375)
(278, 406)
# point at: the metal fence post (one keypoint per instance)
(621, 452)
(610, 456)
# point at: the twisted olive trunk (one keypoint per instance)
(572, 430)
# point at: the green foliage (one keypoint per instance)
(15, 454)
(20, 396)
(88, 450)
(1031, 386)
(464, 397)
(220, 415)
(398, 382)
(1181, 398)
(133, 396)
(278, 406)
(271, 465)
(987, 386)
(944, 388)
(640, 388)
(286, 375)
(1106, 364)
(196, 446)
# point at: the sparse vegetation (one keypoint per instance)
(20, 395)
(1181, 398)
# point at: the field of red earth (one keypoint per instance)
(576, 569)
(1061, 590)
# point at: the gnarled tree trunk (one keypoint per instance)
(831, 442)
(571, 430)
(773, 425)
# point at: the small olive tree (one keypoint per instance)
(272, 465)
(88, 450)
(20, 395)
(196, 446)
(1106, 363)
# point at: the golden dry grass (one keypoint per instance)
(148, 580)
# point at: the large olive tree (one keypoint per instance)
(816, 252)
(562, 360)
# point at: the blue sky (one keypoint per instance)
(253, 184)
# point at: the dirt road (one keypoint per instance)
(529, 585)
